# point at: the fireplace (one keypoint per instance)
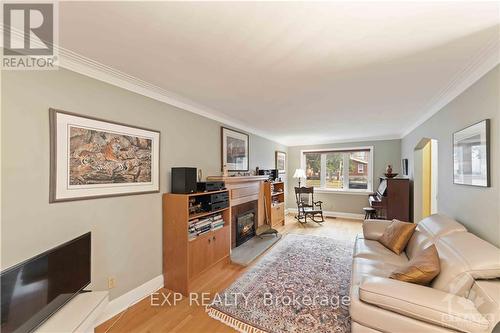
(242, 218)
(245, 226)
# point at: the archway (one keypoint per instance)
(425, 179)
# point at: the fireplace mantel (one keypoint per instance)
(244, 189)
(238, 179)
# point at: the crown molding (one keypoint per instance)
(80, 64)
(484, 61)
(77, 63)
(327, 141)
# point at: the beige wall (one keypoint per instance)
(385, 152)
(126, 231)
(477, 208)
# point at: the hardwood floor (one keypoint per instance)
(183, 317)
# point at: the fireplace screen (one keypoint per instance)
(245, 227)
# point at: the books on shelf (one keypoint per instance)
(217, 228)
(201, 226)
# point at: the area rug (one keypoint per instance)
(300, 285)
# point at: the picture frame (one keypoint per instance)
(471, 155)
(280, 161)
(404, 166)
(234, 150)
(95, 158)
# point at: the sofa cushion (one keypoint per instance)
(397, 235)
(387, 321)
(424, 303)
(485, 295)
(374, 229)
(418, 242)
(464, 258)
(438, 225)
(374, 267)
(421, 269)
(430, 229)
(372, 249)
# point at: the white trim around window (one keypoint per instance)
(323, 188)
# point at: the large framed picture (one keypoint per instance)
(234, 150)
(280, 159)
(471, 155)
(93, 158)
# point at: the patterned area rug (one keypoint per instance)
(300, 285)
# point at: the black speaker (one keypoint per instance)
(183, 180)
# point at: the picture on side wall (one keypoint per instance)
(471, 150)
(235, 150)
(404, 166)
(280, 159)
(93, 158)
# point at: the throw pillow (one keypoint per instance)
(420, 270)
(397, 235)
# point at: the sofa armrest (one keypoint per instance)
(423, 303)
(373, 229)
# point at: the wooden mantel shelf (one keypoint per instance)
(237, 179)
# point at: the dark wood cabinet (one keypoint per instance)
(392, 199)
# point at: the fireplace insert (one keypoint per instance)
(245, 230)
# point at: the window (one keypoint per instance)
(341, 170)
(313, 169)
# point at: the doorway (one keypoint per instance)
(425, 179)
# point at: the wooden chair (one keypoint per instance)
(307, 207)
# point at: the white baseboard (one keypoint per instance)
(128, 299)
(334, 214)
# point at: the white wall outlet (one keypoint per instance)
(111, 282)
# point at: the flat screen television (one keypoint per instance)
(35, 289)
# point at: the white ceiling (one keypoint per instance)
(296, 72)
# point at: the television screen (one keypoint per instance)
(33, 290)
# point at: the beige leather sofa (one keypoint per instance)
(464, 297)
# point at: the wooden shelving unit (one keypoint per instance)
(275, 202)
(185, 259)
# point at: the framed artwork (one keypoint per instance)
(93, 158)
(280, 159)
(404, 166)
(234, 150)
(471, 155)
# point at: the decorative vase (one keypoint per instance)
(388, 170)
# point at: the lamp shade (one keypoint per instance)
(299, 173)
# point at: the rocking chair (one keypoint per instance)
(307, 207)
